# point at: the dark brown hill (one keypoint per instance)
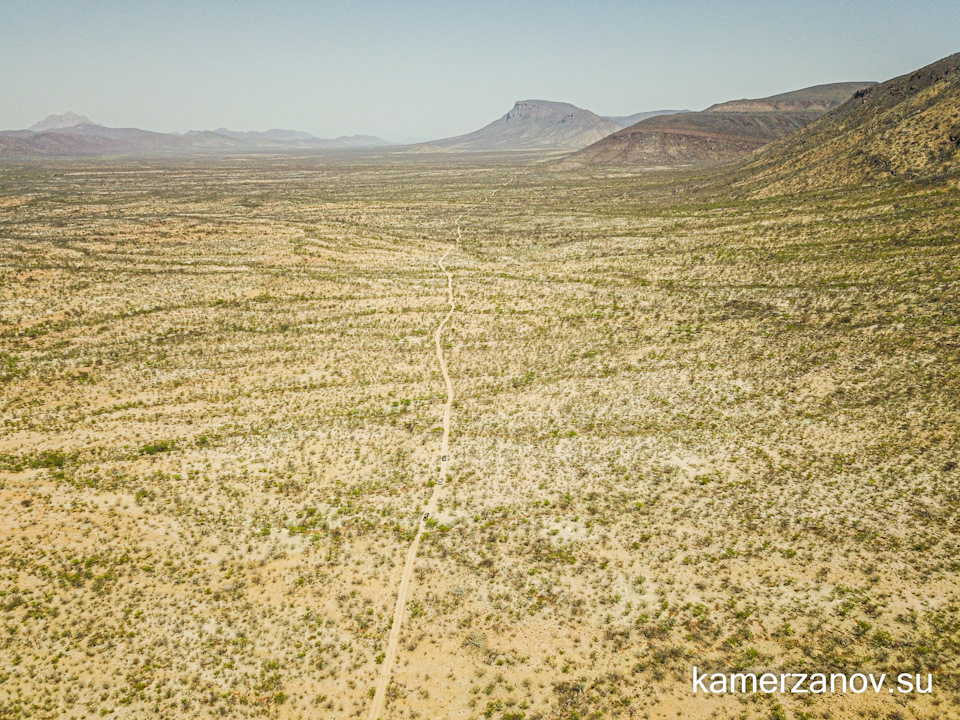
(721, 133)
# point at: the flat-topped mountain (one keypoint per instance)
(535, 125)
(907, 127)
(721, 133)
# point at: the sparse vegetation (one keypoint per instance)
(689, 427)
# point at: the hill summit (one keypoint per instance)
(59, 122)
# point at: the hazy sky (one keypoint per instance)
(418, 70)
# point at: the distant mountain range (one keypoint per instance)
(720, 133)
(537, 125)
(269, 135)
(837, 133)
(72, 134)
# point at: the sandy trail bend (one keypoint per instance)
(406, 580)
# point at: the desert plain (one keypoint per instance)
(693, 423)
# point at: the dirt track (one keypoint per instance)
(403, 594)
(405, 580)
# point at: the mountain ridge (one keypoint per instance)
(816, 98)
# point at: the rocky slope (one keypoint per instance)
(907, 127)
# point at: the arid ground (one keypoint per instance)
(690, 427)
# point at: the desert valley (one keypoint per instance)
(569, 404)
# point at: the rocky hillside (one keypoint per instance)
(721, 133)
(907, 127)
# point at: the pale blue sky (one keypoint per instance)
(418, 70)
